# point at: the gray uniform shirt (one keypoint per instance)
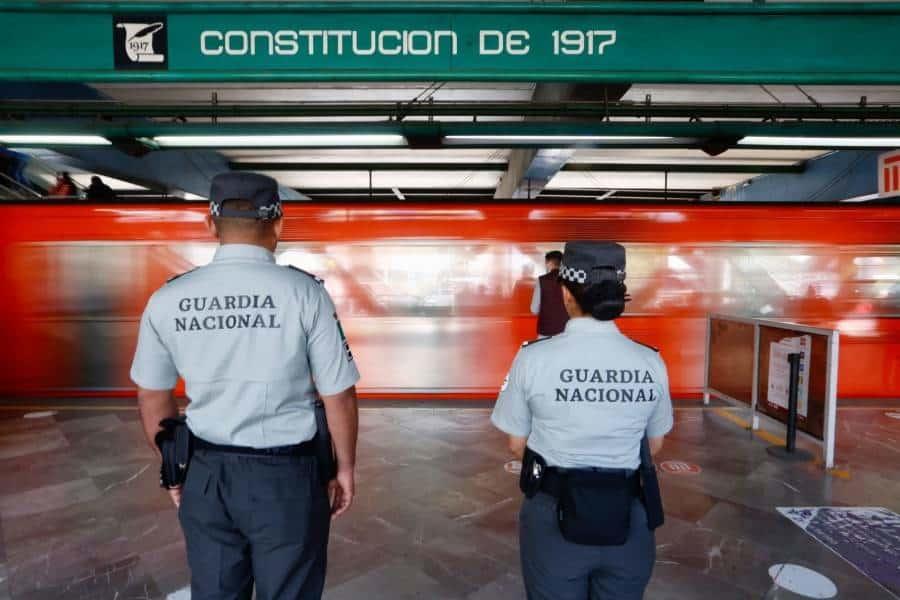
(255, 343)
(585, 397)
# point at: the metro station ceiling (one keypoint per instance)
(645, 171)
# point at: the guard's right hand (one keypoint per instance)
(340, 492)
(175, 495)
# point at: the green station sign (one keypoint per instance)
(615, 42)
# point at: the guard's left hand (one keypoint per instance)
(175, 495)
(340, 492)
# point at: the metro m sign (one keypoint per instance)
(889, 173)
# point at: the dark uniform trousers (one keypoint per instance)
(255, 519)
(555, 569)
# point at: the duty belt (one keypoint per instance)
(554, 479)
(302, 449)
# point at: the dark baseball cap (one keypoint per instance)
(593, 262)
(260, 190)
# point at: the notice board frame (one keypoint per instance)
(832, 346)
(708, 386)
(831, 377)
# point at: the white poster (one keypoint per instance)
(780, 372)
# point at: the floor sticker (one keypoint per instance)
(513, 466)
(803, 581)
(866, 537)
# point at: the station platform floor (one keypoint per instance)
(82, 516)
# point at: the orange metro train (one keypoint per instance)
(435, 297)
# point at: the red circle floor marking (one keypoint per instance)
(679, 467)
(513, 466)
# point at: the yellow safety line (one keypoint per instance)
(771, 438)
(840, 473)
(760, 433)
(727, 414)
(768, 436)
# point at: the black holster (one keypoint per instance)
(175, 447)
(325, 458)
(650, 494)
(594, 506)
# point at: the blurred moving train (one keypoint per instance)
(435, 297)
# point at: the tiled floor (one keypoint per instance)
(81, 515)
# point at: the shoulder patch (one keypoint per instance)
(317, 279)
(654, 348)
(537, 341)
(174, 277)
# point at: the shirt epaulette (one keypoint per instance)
(174, 277)
(654, 348)
(317, 279)
(531, 342)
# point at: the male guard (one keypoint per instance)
(258, 344)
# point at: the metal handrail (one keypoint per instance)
(18, 188)
(12, 193)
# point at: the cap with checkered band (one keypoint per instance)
(260, 190)
(592, 262)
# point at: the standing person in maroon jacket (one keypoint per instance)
(64, 187)
(547, 300)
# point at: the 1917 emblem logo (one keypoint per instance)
(140, 42)
(889, 174)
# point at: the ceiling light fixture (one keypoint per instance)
(279, 141)
(574, 139)
(820, 142)
(54, 140)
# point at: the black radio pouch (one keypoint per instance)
(594, 507)
(533, 468)
(650, 494)
(325, 459)
(175, 448)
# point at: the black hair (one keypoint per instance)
(554, 256)
(603, 301)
